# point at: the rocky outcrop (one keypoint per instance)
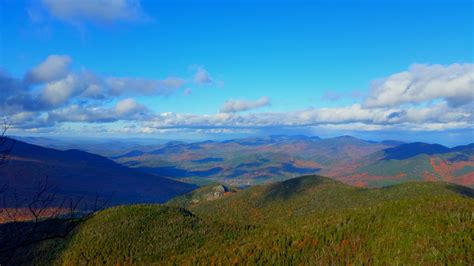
(217, 192)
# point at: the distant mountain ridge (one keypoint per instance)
(258, 160)
(405, 151)
(250, 161)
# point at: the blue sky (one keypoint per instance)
(218, 69)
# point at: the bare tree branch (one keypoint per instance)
(43, 207)
(6, 144)
(39, 215)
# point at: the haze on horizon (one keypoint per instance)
(376, 70)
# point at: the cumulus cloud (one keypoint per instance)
(46, 92)
(233, 106)
(119, 86)
(202, 77)
(129, 106)
(28, 120)
(56, 85)
(127, 109)
(94, 10)
(59, 92)
(421, 83)
(53, 68)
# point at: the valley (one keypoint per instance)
(242, 162)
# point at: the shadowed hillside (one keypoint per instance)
(79, 173)
(406, 151)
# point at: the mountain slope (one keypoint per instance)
(78, 173)
(298, 197)
(306, 220)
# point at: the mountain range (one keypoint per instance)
(159, 171)
(250, 161)
(287, 216)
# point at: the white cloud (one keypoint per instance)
(54, 67)
(202, 77)
(119, 85)
(233, 106)
(355, 127)
(93, 91)
(94, 10)
(52, 84)
(421, 83)
(437, 126)
(127, 109)
(27, 120)
(59, 92)
(354, 117)
(128, 106)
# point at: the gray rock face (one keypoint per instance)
(217, 193)
(220, 188)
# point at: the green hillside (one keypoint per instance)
(309, 219)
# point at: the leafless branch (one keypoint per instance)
(6, 144)
(49, 216)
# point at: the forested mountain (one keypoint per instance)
(308, 220)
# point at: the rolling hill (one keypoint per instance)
(305, 220)
(249, 161)
(82, 174)
(354, 161)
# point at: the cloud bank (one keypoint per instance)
(422, 98)
(52, 84)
